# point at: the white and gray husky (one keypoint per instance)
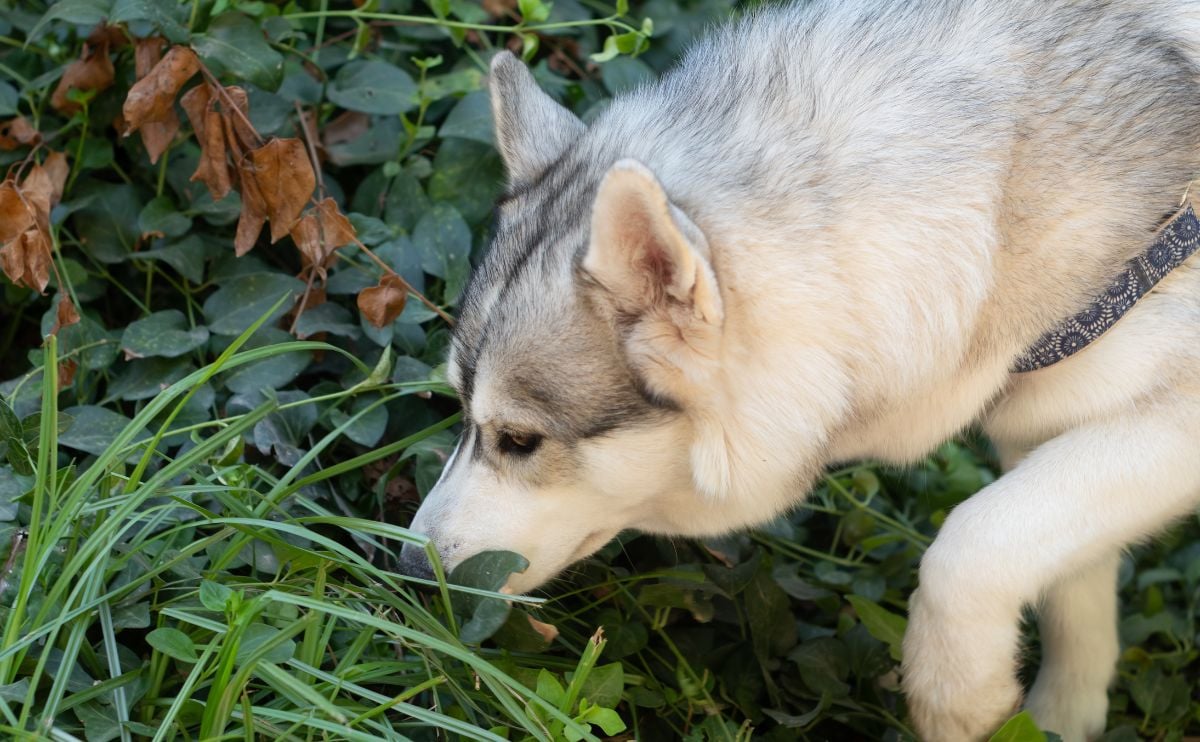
(836, 230)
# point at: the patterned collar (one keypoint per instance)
(1174, 243)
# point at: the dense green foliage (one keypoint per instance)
(203, 491)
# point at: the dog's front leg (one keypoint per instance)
(1068, 505)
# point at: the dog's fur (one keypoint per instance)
(826, 235)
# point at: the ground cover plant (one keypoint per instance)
(233, 235)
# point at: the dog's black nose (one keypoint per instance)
(414, 562)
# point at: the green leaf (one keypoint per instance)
(173, 643)
(214, 596)
(162, 218)
(471, 118)
(469, 176)
(368, 429)
(1020, 728)
(145, 378)
(167, 17)
(884, 625)
(488, 570)
(9, 99)
(373, 87)
(549, 688)
(234, 44)
(163, 334)
(241, 300)
(605, 718)
(604, 685)
(824, 665)
(79, 12)
(443, 241)
(534, 11)
(256, 635)
(93, 428)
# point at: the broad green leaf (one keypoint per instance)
(242, 300)
(214, 596)
(173, 643)
(79, 12)
(145, 378)
(164, 334)
(471, 118)
(884, 625)
(10, 489)
(9, 98)
(487, 570)
(469, 176)
(824, 665)
(166, 16)
(604, 685)
(443, 241)
(373, 87)
(93, 428)
(234, 44)
(186, 256)
(549, 688)
(161, 218)
(258, 634)
(605, 718)
(368, 429)
(331, 318)
(1020, 728)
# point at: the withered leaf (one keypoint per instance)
(15, 216)
(66, 372)
(195, 103)
(345, 128)
(38, 191)
(26, 259)
(65, 316)
(382, 304)
(254, 209)
(150, 105)
(113, 36)
(285, 180)
(18, 133)
(306, 233)
(152, 98)
(335, 227)
(237, 121)
(93, 71)
(58, 170)
(213, 170)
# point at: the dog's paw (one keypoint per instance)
(958, 675)
(1074, 712)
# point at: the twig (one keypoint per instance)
(309, 140)
(227, 99)
(407, 286)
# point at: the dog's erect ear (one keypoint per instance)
(644, 251)
(531, 129)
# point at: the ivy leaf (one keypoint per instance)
(1020, 728)
(234, 44)
(160, 218)
(884, 625)
(93, 429)
(173, 643)
(374, 87)
(164, 334)
(443, 240)
(79, 12)
(471, 118)
(243, 299)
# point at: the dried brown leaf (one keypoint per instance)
(65, 316)
(238, 121)
(38, 191)
(285, 180)
(345, 128)
(26, 259)
(254, 209)
(93, 71)
(213, 170)
(18, 133)
(382, 304)
(335, 227)
(196, 103)
(66, 372)
(58, 170)
(15, 216)
(152, 98)
(150, 105)
(113, 36)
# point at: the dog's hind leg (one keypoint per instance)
(1071, 503)
(1078, 626)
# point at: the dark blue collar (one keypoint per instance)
(1173, 244)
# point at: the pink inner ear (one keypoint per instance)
(655, 264)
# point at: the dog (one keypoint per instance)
(832, 232)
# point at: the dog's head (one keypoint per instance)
(584, 353)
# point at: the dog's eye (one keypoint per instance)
(519, 444)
